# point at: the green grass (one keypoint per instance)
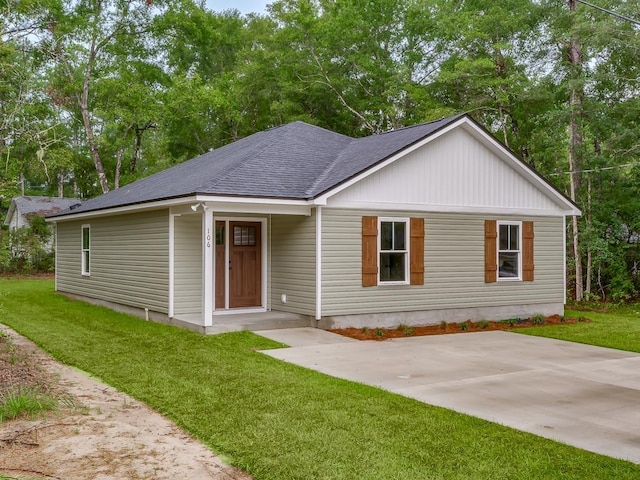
(27, 402)
(618, 329)
(279, 421)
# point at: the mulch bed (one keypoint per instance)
(444, 328)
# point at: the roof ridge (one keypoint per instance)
(452, 118)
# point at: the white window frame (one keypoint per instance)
(519, 251)
(86, 266)
(382, 220)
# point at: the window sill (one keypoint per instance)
(391, 284)
(508, 279)
(86, 274)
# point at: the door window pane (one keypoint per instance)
(244, 236)
(219, 234)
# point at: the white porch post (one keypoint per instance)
(318, 262)
(208, 235)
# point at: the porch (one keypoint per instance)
(245, 321)
(242, 267)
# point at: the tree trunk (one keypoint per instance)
(86, 120)
(575, 145)
(83, 103)
(137, 144)
(60, 185)
(116, 176)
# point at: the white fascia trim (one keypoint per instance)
(298, 208)
(417, 207)
(126, 209)
(226, 204)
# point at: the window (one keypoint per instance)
(509, 250)
(393, 250)
(86, 250)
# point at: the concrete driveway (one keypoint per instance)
(581, 395)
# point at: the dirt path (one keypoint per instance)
(100, 434)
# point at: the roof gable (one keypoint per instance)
(457, 171)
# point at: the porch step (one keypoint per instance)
(258, 321)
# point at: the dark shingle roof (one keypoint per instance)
(294, 161)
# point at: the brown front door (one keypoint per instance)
(245, 264)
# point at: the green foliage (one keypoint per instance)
(173, 79)
(538, 320)
(279, 421)
(618, 328)
(27, 249)
(26, 402)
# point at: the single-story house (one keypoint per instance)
(23, 209)
(438, 221)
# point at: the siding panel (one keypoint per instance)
(293, 257)
(454, 267)
(187, 275)
(129, 259)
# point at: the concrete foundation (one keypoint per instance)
(433, 317)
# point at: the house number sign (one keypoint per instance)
(208, 238)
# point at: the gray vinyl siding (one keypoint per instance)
(129, 259)
(187, 264)
(454, 266)
(293, 263)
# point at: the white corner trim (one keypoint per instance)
(172, 252)
(564, 257)
(55, 274)
(318, 263)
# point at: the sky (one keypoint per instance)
(245, 6)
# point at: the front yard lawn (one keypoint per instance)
(619, 328)
(279, 421)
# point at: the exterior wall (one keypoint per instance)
(451, 172)
(293, 263)
(454, 267)
(187, 268)
(129, 259)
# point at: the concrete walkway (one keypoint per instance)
(581, 395)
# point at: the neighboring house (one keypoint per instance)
(23, 209)
(438, 221)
